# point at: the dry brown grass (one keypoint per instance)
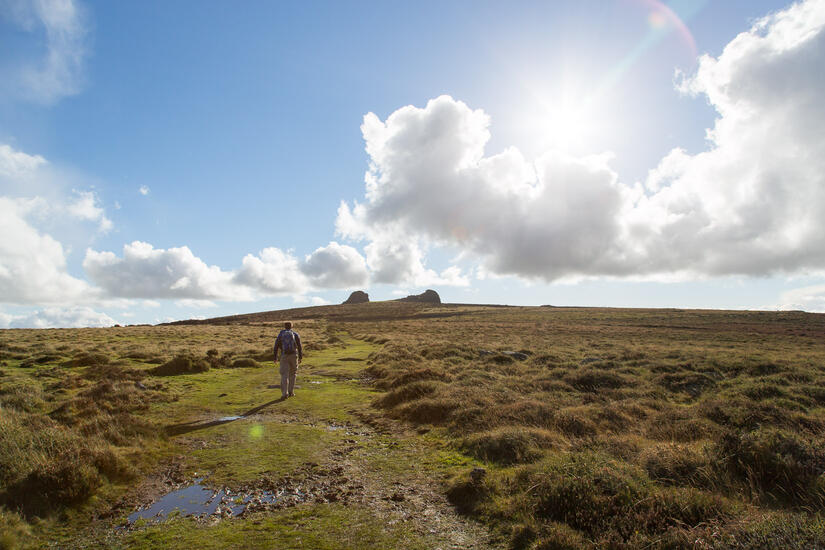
(653, 423)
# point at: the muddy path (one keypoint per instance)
(325, 456)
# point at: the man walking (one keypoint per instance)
(289, 343)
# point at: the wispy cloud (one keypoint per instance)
(143, 190)
(62, 26)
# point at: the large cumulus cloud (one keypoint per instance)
(753, 203)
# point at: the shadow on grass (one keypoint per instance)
(186, 427)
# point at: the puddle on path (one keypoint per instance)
(229, 418)
(197, 500)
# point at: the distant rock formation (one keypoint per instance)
(358, 297)
(427, 297)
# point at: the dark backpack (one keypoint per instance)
(288, 345)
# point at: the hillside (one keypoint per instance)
(421, 426)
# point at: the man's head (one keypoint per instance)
(288, 325)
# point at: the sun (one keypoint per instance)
(566, 124)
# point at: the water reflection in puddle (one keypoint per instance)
(198, 500)
(229, 418)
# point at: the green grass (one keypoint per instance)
(239, 453)
(318, 527)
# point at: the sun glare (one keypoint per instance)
(567, 125)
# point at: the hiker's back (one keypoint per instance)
(287, 338)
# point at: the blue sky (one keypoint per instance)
(237, 133)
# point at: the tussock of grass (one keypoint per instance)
(776, 465)
(679, 424)
(181, 364)
(609, 500)
(596, 379)
(45, 465)
(427, 411)
(774, 530)
(554, 536)
(449, 353)
(14, 531)
(245, 363)
(113, 373)
(41, 359)
(691, 383)
(85, 359)
(469, 495)
(407, 392)
(677, 464)
(511, 444)
(22, 394)
(416, 375)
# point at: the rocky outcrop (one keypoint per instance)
(427, 297)
(358, 297)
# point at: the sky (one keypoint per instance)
(173, 160)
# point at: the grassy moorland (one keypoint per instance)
(607, 428)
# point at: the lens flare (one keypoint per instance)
(256, 431)
(662, 18)
(656, 20)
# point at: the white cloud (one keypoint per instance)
(753, 203)
(273, 271)
(429, 182)
(311, 300)
(809, 298)
(335, 266)
(143, 190)
(86, 207)
(195, 304)
(176, 273)
(17, 164)
(57, 317)
(37, 204)
(59, 71)
(32, 264)
(146, 272)
(6, 320)
(394, 260)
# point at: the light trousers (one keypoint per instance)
(289, 370)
